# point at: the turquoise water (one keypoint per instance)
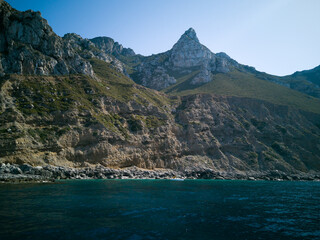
(160, 209)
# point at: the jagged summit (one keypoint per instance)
(186, 56)
(189, 52)
(190, 34)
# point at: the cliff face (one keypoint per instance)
(29, 46)
(88, 50)
(98, 115)
(186, 56)
(52, 124)
(189, 52)
(247, 134)
(109, 46)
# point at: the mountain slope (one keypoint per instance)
(76, 121)
(236, 83)
(307, 81)
(190, 61)
(72, 120)
(191, 68)
(106, 118)
(312, 75)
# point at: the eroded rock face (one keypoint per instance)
(155, 77)
(87, 50)
(29, 46)
(189, 52)
(203, 76)
(109, 46)
(224, 134)
(247, 134)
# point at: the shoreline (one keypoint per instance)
(25, 173)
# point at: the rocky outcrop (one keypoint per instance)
(203, 76)
(87, 50)
(186, 56)
(189, 52)
(29, 46)
(109, 46)
(155, 77)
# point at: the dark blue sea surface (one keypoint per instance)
(160, 209)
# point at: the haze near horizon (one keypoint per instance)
(277, 37)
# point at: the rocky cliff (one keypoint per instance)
(59, 124)
(109, 46)
(98, 116)
(29, 46)
(189, 59)
(88, 50)
(186, 56)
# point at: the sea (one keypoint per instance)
(160, 209)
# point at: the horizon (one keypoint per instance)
(265, 31)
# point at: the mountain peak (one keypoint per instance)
(189, 52)
(190, 34)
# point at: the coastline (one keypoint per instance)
(25, 173)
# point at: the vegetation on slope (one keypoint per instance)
(241, 84)
(312, 75)
(116, 85)
(45, 96)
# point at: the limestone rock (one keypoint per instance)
(203, 76)
(87, 49)
(156, 78)
(186, 56)
(189, 52)
(29, 46)
(109, 46)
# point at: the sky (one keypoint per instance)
(274, 36)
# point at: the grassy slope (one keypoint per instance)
(56, 92)
(241, 84)
(123, 88)
(42, 95)
(39, 99)
(307, 76)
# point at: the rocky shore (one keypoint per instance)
(14, 173)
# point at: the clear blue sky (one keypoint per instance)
(275, 36)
